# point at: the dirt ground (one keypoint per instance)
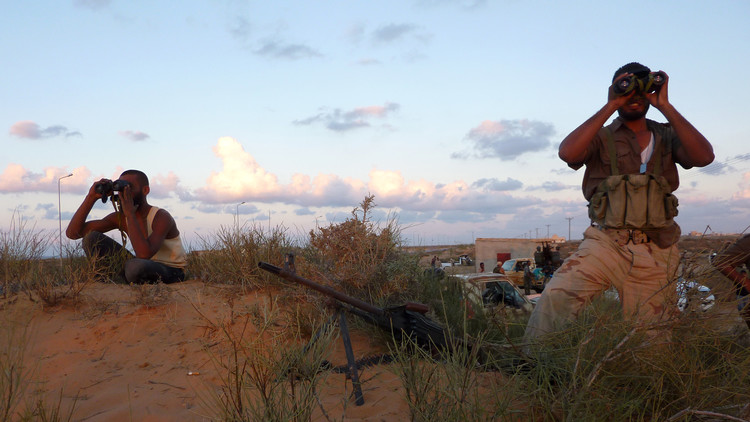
(118, 360)
(119, 356)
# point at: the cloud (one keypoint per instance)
(27, 129)
(281, 50)
(507, 139)
(304, 211)
(16, 179)
(744, 191)
(241, 29)
(392, 32)
(552, 186)
(134, 136)
(494, 184)
(368, 62)
(465, 4)
(50, 211)
(342, 121)
(243, 179)
(162, 186)
(355, 33)
(93, 4)
(723, 167)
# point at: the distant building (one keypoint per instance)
(493, 251)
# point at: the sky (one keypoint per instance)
(289, 113)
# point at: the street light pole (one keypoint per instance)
(569, 218)
(59, 214)
(237, 215)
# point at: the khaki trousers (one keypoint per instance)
(640, 273)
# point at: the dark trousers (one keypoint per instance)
(122, 262)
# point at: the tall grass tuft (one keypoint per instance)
(605, 367)
(360, 257)
(231, 254)
(63, 281)
(15, 370)
(21, 251)
(267, 375)
(452, 386)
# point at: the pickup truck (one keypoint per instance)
(514, 269)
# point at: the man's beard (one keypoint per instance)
(633, 115)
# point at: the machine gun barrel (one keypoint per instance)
(322, 289)
(408, 319)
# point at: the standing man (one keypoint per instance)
(629, 179)
(159, 255)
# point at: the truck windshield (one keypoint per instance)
(508, 265)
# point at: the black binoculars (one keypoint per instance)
(644, 83)
(109, 187)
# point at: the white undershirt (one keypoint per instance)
(646, 153)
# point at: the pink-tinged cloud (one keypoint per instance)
(744, 191)
(243, 179)
(16, 179)
(27, 129)
(162, 186)
(340, 121)
(506, 139)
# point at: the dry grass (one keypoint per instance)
(601, 367)
(268, 374)
(231, 255)
(360, 258)
(21, 251)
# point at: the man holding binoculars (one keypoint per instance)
(153, 233)
(630, 175)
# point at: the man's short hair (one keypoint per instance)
(142, 178)
(632, 67)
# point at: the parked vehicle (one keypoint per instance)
(493, 292)
(514, 269)
(463, 260)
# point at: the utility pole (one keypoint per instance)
(547, 230)
(569, 218)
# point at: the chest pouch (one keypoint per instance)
(633, 201)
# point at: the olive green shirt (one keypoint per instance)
(628, 152)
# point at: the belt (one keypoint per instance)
(624, 236)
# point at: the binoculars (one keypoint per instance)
(644, 83)
(108, 188)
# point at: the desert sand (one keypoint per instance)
(123, 353)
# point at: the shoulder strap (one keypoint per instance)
(656, 155)
(611, 149)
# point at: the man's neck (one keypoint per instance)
(143, 209)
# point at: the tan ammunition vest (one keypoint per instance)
(633, 201)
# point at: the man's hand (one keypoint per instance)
(660, 98)
(92, 190)
(617, 101)
(126, 202)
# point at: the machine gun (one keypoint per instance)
(404, 321)
(407, 320)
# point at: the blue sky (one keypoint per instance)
(449, 112)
